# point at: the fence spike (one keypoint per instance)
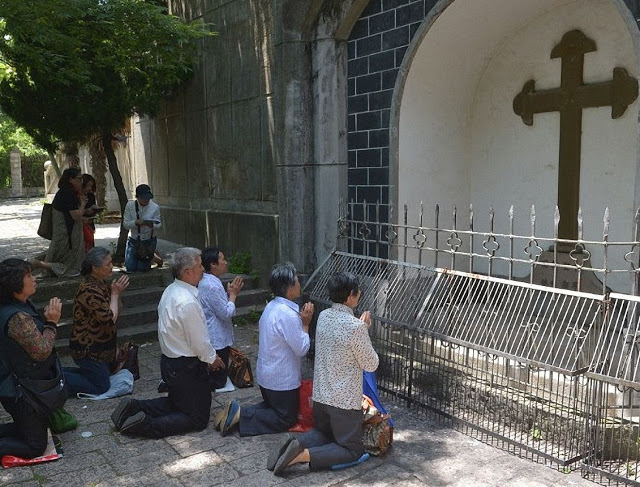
(580, 223)
(606, 220)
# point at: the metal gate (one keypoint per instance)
(550, 374)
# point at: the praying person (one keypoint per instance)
(283, 341)
(219, 307)
(343, 351)
(187, 358)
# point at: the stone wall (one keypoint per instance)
(209, 155)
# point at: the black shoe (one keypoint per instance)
(276, 453)
(132, 423)
(163, 387)
(291, 452)
(126, 408)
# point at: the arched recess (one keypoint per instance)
(454, 138)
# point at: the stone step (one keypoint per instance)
(130, 299)
(140, 331)
(133, 316)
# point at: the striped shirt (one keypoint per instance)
(343, 351)
(282, 344)
(218, 311)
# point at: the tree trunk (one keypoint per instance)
(107, 139)
(98, 168)
(54, 163)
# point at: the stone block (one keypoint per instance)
(395, 38)
(157, 158)
(217, 71)
(369, 45)
(176, 155)
(195, 89)
(196, 154)
(268, 151)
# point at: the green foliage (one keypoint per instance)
(240, 263)
(12, 136)
(75, 68)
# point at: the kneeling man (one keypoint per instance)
(187, 358)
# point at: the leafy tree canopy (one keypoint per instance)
(74, 68)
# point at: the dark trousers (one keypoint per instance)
(277, 412)
(218, 378)
(336, 437)
(90, 376)
(26, 436)
(188, 405)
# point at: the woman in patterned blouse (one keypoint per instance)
(26, 350)
(343, 351)
(94, 332)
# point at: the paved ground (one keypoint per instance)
(425, 452)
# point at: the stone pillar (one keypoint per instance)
(294, 136)
(330, 132)
(16, 173)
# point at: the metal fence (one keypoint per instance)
(548, 373)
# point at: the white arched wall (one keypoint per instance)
(459, 141)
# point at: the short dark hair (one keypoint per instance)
(12, 272)
(281, 278)
(341, 285)
(67, 175)
(94, 258)
(210, 256)
(88, 178)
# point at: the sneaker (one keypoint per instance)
(231, 417)
(126, 408)
(228, 387)
(129, 426)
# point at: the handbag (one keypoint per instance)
(377, 431)
(143, 249)
(127, 358)
(44, 396)
(45, 229)
(305, 407)
(240, 369)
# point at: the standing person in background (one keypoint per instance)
(219, 307)
(343, 351)
(66, 250)
(91, 209)
(141, 218)
(283, 341)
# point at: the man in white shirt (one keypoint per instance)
(187, 358)
(142, 218)
(219, 306)
(283, 341)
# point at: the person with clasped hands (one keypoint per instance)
(187, 358)
(283, 341)
(219, 306)
(27, 345)
(343, 351)
(94, 332)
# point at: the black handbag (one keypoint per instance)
(143, 249)
(44, 396)
(45, 230)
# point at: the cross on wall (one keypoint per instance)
(570, 99)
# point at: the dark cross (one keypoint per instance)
(570, 99)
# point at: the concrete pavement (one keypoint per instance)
(425, 452)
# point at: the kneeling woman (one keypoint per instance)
(343, 351)
(26, 349)
(94, 332)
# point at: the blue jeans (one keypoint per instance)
(131, 262)
(90, 376)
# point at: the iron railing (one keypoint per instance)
(548, 373)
